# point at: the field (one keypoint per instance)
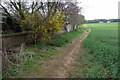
(100, 59)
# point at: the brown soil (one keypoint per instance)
(61, 65)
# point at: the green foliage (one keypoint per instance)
(59, 42)
(102, 51)
(42, 27)
(66, 38)
(78, 20)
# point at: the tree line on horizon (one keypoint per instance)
(103, 21)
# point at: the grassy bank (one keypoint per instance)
(31, 60)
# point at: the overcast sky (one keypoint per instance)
(99, 9)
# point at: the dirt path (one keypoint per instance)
(61, 65)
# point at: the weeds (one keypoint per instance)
(26, 59)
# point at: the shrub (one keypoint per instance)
(42, 27)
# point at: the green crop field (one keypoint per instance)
(100, 59)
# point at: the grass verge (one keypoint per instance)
(37, 52)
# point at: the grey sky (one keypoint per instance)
(100, 9)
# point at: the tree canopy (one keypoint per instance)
(42, 18)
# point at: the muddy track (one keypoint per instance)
(61, 65)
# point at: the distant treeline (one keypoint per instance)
(103, 20)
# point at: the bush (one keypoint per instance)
(42, 27)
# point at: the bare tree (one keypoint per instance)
(15, 10)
